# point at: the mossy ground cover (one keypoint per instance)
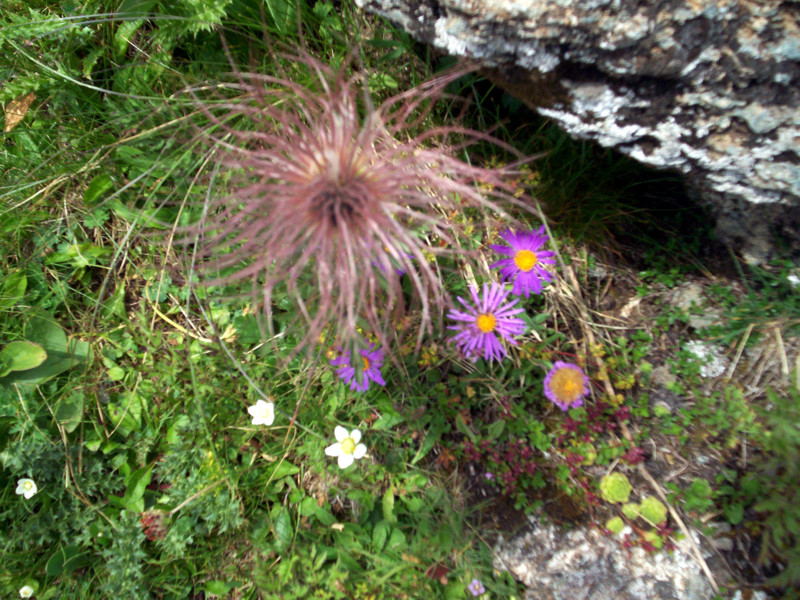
(132, 464)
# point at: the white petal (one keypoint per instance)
(340, 433)
(269, 416)
(356, 435)
(345, 460)
(360, 451)
(334, 450)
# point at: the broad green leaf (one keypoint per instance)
(43, 329)
(66, 559)
(283, 14)
(283, 530)
(136, 484)
(97, 189)
(69, 411)
(379, 535)
(21, 356)
(13, 289)
(116, 373)
(397, 540)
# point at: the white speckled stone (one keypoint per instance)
(558, 564)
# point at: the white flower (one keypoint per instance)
(26, 487)
(263, 413)
(26, 591)
(347, 449)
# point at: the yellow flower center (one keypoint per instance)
(27, 485)
(348, 446)
(525, 260)
(486, 322)
(567, 384)
(366, 363)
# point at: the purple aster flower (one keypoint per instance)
(525, 265)
(476, 588)
(371, 371)
(566, 385)
(482, 322)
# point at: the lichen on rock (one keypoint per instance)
(709, 88)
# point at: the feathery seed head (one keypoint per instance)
(333, 200)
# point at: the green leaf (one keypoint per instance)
(69, 411)
(130, 9)
(114, 306)
(116, 373)
(310, 507)
(282, 469)
(495, 430)
(136, 484)
(283, 14)
(463, 428)
(388, 505)
(397, 540)
(220, 588)
(615, 487)
(13, 289)
(43, 329)
(127, 414)
(96, 189)
(379, 535)
(413, 503)
(21, 356)
(434, 435)
(283, 530)
(66, 559)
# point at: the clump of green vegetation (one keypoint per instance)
(160, 433)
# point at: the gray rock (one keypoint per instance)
(555, 564)
(706, 87)
(662, 377)
(690, 299)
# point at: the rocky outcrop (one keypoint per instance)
(582, 562)
(710, 88)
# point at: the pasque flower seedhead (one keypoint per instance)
(332, 200)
